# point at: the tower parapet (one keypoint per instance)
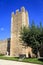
(17, 11)
(12, 14)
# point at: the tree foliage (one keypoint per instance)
(33, 36)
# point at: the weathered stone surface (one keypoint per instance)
(18, 20)
(3, 47)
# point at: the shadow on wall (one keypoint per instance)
(41, 51)
(8, 46)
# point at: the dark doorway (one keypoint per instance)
(8, 46)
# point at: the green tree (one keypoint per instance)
(32, 37)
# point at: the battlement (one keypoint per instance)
(20, 15)
(19, 11)
(23, 9)
(12, 14)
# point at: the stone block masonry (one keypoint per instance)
(18, 21)
(3, 47)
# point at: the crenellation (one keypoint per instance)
(22, 9)
(12, 14)
(17, 11)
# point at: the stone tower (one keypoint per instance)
(18, 20)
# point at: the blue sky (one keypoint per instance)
(34, 8)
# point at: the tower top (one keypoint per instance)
(12, 14)
(17, 11)
(23, 9)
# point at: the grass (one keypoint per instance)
(9, 58)
(33, 60)
(30, 60)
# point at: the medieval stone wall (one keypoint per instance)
(3, 46)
